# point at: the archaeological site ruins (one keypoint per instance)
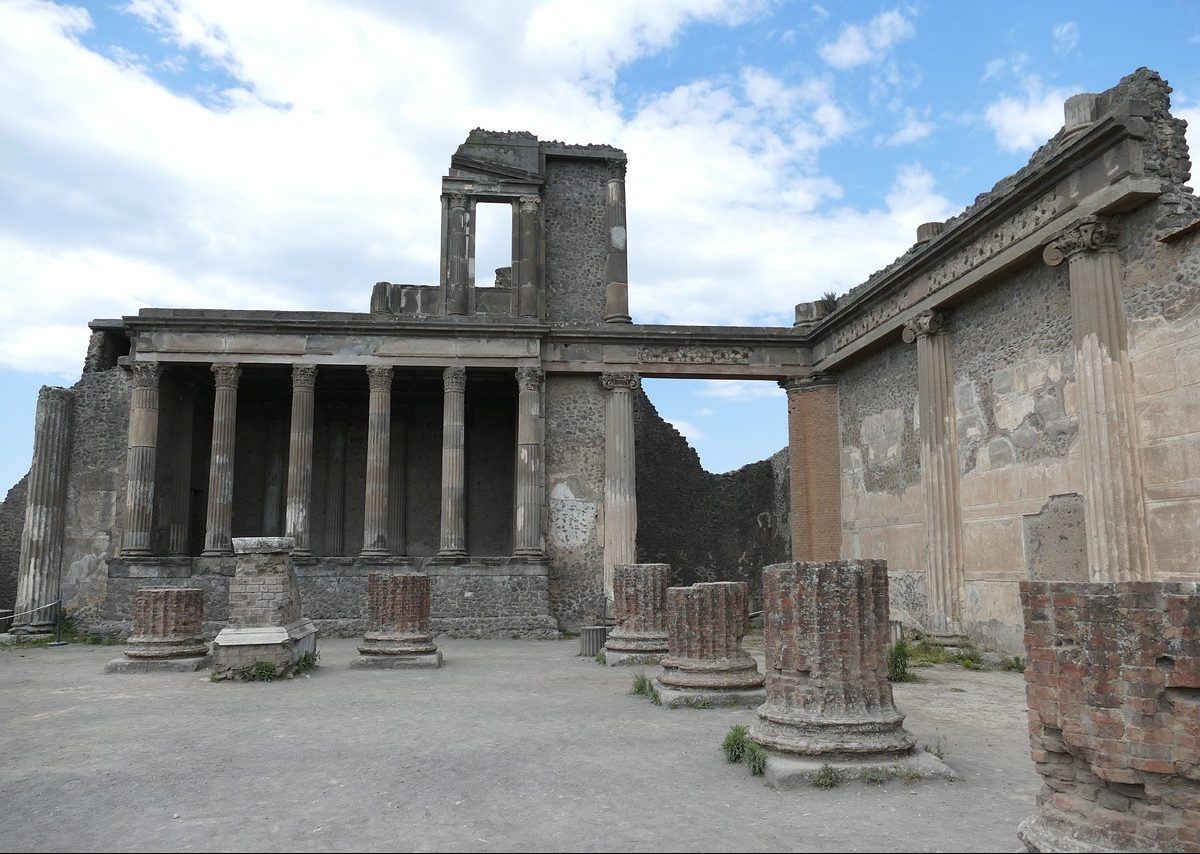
(994, 440)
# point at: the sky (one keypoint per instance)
(287, 155)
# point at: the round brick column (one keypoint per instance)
(398, 615)
(167, 623)
(640, 608)
(705, 627)
(826, 644)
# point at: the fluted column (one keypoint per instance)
(528, 298)
(300, 457)
(705, 626)
(275, 446)
(181, 483)
(141, 460)
(397, 497)
(40, 567)
(814, 462)
(454, 523)
(531, 478)
(616, 267)
(379, 423)
(945, 578)
(620, 497)
(1114, 510)
(219, 519)
(457, 261)
(335, 480)
(640, 611)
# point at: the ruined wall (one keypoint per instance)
(575, 497)
(12, 521)
(576, 240)
(708, 527)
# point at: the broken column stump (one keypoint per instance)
(398, 633)
(640, 609)
(705, 664)
(167, 633)
(265, 628)
(1113, 682)
(828, 698)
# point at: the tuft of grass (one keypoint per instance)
(601, 658)
(756, 759)
(827, 778)
(938, 748)
(259, 671)
(735, 743)
(874, 776)
(828, 301)
(654, 697)
(908, 775)
(1016, 664)
(306, 662)
(643, 686)
(970, 659)
(897, 663)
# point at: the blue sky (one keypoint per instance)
(213, 153)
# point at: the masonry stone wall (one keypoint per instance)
(576, 240)
(12, 521)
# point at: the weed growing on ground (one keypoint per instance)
(827, 778)
(970, 659)
(1016, 664)
(908, 775)
(735, 743)
(259, 671)
(644, 687)
(756, 759)
(897, 663)
(306, 662)
(938, 748)
(874, 776)
(601, 658)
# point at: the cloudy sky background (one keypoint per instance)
(200, 153)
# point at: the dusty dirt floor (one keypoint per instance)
(510, 746)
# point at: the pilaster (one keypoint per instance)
(620, 496)
(814, 463)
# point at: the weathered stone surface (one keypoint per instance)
(167, 623)
(705, 626)
(826, 643)
(398, 608)
(1112, 681)
(640, 612)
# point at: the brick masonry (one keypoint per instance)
(1113, 683)
(705, 626)
(640, 608)
(167, 623)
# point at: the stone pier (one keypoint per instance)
(40, 567)
(142, 454)
(530, 470)
(398, 632)
(1113, 682)
(265, 623)
(828, 698)
(640, 609)
(705, 664)
(167, 634)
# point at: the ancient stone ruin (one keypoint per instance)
(1113, 682)
(640, 613)
(398, 629)
(168, 632)
(706, 664)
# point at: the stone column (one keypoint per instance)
(167, 625)
(826, 643)
(620, 497)
(335, 481)
(640, 609)
(379, 423)
(218, 524)
(457, 261)
(454, 523)
(141, 459)
(944, 574)
(616, 267)
(181, 496)
(275, 472)
(531, 477)
(40, 567)
(814, 462)
(528, 298)
(1114, 510)
(397, 533)
(300, 458)
(398, 628)
(705, 664)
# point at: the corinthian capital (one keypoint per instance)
(529, 204)
(1086, 235)
(624, 381)
(530, 379)
(145, 374)
(226, 374)
(925, 323)
(454, 379)
(304, 376)
(380, 377)
(616, 169)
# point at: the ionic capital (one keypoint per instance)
(145, 374)
(454, 379)
(1087, 235)
(794, 385)
(620, 382)
(380, 377)
(304, 376)
(616, 169)
(925, 323)
(530, 379)
(529, 204)
(226, 374)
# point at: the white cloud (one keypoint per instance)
(739, 389)
(689, 430)
(1023, 122)
(705, 412)
(912, 130)
(858, 45)
(1191, 114)
(1066, 37)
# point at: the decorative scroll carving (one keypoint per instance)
(145, 374)
(695, 356)
(1088, 234)
(616, 169)
(454, 379)
(529, 204)
(628, 381)
(226, 374)
(925, 323)
(380, 377)
(530, 379)
(457, 200)
(304, 376)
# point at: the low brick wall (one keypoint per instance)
(1113, 683)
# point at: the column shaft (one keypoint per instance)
(616, 267)
(528, 298)
(40, 568)
(219, 519)
(814, 462)
(454, 527)
(457, 261)
(531, 478)
(141, 461)
(300, 456)
(335, 482)
(379, 423)
(620, 497)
